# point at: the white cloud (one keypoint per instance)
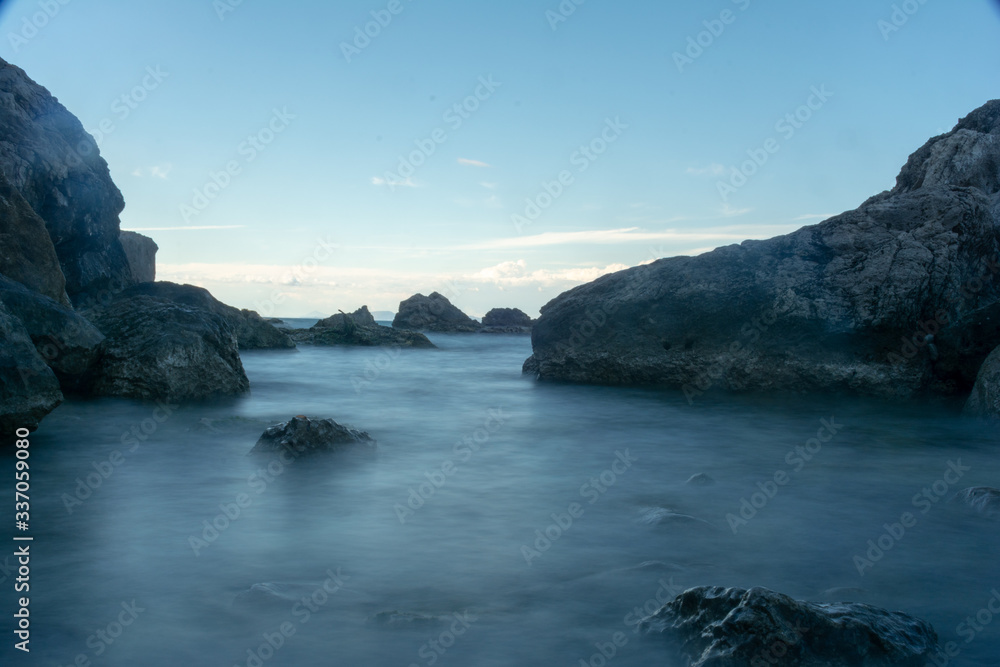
(181, 229)
(157, 171)
(407, 183)
(489, 186)
(730, 212)
(714, 169)
(472, 163)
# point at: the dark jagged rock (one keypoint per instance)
(984, 401)
(67, 341)
(29, 389)
(27, 255)
(56, 166)
(162, 348)
(982, 499)
(506, 320)
(252, 331)
(731, 627)
(140, 251)
(432, 313)
(303, 436)
(357, 328)
(848, 304)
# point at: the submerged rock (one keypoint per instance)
(432, 313)
(983, 499)
(301, 435)
(896, 298)
(29, 389)
(700, 479)
(732, 627)
(140, 251)
(357, 328)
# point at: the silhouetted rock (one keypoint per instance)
(731, 627)
(65, 340)
(432, 313)
(357, 328)
(303, 436)
(506, 320)
(140, 251)
(51, 160)
(896, 298)
(983, 499)
(29, 389)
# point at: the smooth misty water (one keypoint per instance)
(462, 550)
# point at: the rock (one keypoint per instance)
(506, 320)
(252, 331)
(984, 401)
(982, 499)
(159, 348)
(662, 516)
(700, 479)
(303, 436)
(27, 255)
(65, 340)
(29, 389)
(432, 313)
(140, 251)
(51, 160)
(731, 627)
(846, 305)
(358, 328)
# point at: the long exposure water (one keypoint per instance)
(503, 522)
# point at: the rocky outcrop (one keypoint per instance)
(251, 330)
(981, 499)
(432, 313)
(506, 320)
(731, 627)
(303, 436)
(357, 328)
(55, 165)
(27, 255)
(140, 251)
(984, 401)
(157, 347)
(29, 389)
(65, 340)
(897, 298)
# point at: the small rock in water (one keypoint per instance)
(657, 516)
(301, 435)
(732, 627)
(701, 479)
(982, 499)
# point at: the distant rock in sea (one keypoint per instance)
(506, 320)
(140, 251)
(304, 436)
(897, 298)
(732, 627)
(357, 328)
(432, 313)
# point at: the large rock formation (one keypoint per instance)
(731, 627)
(28, 388)
(893, 299)
(303, 436)
(357, 328)
(51, 160)
(140, 251)
(432, 313)
(163, 348)
(65, 340)
(26, 251)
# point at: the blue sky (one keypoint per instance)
(315, 213)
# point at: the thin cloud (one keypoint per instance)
(714, 169)
(407, 183)
(161, 171)
(730, 212)
(181, 229)
(814, 216)
(472, 163)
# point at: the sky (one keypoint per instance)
(307, 157)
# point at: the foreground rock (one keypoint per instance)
(160, 348)
(65, 340)
(731, 627)
(506, 320)
(981, 499)
(432, 313)
(894, 299)
(252, 331)
(357, 328)
(29, 389)
(984, 401)
(303, 436)
(140, 251)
